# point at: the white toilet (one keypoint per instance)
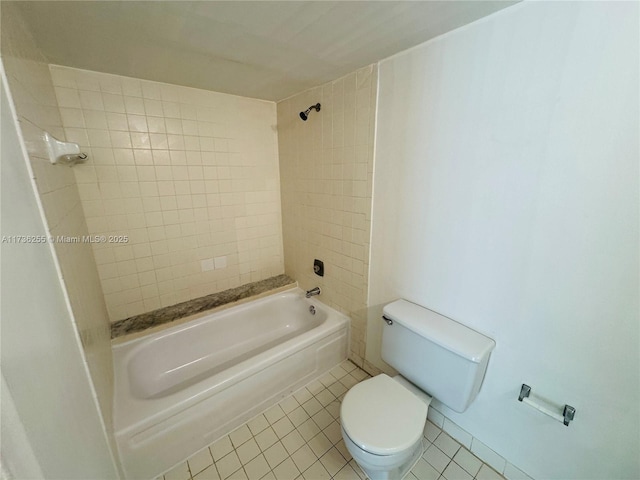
(383, 418)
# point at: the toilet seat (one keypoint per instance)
(382, 417)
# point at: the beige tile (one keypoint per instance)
(257, 468)
(436, 458)
(248, 451)
(488, 473)
(221, 447)
(468, 461)
(266, 438)
(275, 454)
(289, 404)
(200, 461)
(293, 441)
(298, 416)
(274, 414)
(304, 458)
(447, 444)
(323, 419)
(423, 471)
(210, 473)
(320, 444)
(333, 461)
(287, 470)
(456, 472)
(227, 465)
(283, 427)
(312, 406)
(302, 395)
(257, 424)
(316, 472)
(240, 435)
(346, 473)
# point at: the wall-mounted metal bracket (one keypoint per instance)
(568, 413)
(525, 391)
(546, 407)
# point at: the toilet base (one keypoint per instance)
(382, 467)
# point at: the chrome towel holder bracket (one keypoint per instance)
(568, 412)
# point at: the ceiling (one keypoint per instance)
(262, 49)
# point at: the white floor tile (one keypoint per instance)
(304, 458)
(308, 429)
(312, 406)
(274, 414)
(287, 470)
(320, 444)
(339, 389)
(240, 435)
(228, 464)
(293, 441)
(266, 438)
(316, 472)
(289, 404)
(333, 432)
(488, 473)
(346, 473)
(257, 468)
(298, 416)
(325, 397)
(423, 471)
(200, 461)
(257, 424)
(436, 458)
(333, 461)
(275, 454)
(323, 419)
(283, 427)
(302, 395)
(468, 461)
(220, 448)
(447, 444)
(210, 473)
(456, 472)
(248, 451)
(431, 432)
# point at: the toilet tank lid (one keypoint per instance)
(441, 330)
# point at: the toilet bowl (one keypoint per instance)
(382, 418)
(382, 427)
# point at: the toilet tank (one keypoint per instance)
(441, 356)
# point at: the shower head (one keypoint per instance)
(304, 115)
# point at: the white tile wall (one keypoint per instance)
(326, 166)
(185, 175)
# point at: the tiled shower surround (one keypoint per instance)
(326, 168)
(181, 175)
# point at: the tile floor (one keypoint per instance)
(300, 439)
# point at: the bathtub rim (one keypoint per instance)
(129, 337)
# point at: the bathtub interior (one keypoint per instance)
(182, 357)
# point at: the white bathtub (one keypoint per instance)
(178, 390)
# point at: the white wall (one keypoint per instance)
(506, 197)
(44, 373)
(34, 97)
